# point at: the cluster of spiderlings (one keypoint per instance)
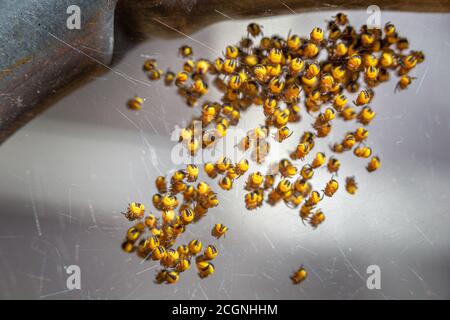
(154, 238)
(284, 75)
(276, 72)
(228, 171)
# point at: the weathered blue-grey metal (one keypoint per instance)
(39, 53)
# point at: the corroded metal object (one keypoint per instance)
(40, 55)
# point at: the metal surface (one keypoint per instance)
(39, 54)
(139, 17)
(66, 176)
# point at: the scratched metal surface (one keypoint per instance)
(66, 176)
(36, 59)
